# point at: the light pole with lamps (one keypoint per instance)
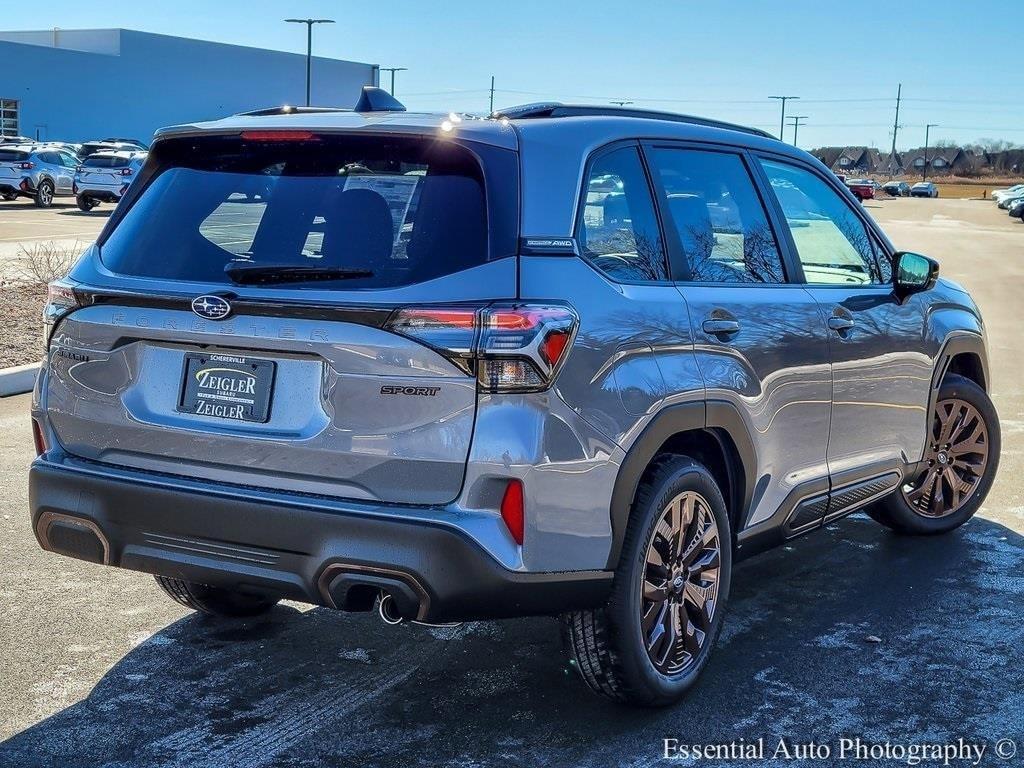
(309, 44)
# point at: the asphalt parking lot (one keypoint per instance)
(22, 224)
(98, 668)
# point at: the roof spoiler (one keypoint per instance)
(374, 99)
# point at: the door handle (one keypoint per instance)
(716, 326)
(840, 323)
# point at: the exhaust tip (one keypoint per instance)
(388, 610)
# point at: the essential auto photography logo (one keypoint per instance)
(855, 749)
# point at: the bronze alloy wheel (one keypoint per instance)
(680, 587)
(954, 462)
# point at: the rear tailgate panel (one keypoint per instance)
(115, 377)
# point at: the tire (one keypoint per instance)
(44, 194)
(928, 504)
(215, 601)
(609, 645)
(85, 203)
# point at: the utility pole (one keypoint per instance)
(492, 94)
(620, 103)
(895, 128)
(309, 45)
(392, 70)
(782, 120)
(796, 124)
(924, 168)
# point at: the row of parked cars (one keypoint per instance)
(92, 172)
(868, 189)
(1011, 200)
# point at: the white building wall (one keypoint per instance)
(157, 80)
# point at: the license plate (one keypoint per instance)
(227, 387)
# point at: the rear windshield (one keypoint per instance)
(389, 211)
(8, 155)
(105, 162)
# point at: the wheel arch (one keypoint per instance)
(712, 433)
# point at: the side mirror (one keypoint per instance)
(913, 273)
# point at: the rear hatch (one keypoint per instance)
(107, 172)
(246, 318)
(11, 160)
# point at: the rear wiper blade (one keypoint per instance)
(264, 274)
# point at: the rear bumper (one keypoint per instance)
(295, 550)
(108, 194)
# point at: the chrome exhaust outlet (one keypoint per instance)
(388, 610)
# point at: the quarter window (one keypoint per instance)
(619, 230)
(831, 241)
(718, 215)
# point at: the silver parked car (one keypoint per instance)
(39, 171)
(104, 177)
(565, 360)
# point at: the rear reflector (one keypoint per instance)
(279, 136)
(512, 510)
(38, 438)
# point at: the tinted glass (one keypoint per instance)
(619, 231)
(406, 210)
(721, 223)
(832, 242)
(10, 155)
(105, 162)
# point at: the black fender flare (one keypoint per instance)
(717, 417)
(956, 343)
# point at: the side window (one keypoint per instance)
(69, 161)
(619, 230)
(833, 244)
(721, 223)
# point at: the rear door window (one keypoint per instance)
(722, 226)
(389, 211)
(618, 231)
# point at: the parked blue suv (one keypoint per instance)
(562, 360)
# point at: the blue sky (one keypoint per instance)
(716, 59)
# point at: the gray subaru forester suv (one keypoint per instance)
(563, 360)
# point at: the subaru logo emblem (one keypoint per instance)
(211, 307)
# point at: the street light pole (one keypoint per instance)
(309, 45)
(782, 120)
(924, 168)
(392, 70)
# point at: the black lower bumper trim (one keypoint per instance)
(295, 551)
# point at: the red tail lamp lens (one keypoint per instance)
(38, 438)
(512, 510)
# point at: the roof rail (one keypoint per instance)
(557, 109)
(287, 109)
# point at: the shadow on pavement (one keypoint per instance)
(324, 688)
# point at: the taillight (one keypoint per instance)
(61, 300)
(512, 510)
(27, 166)
(509, 347)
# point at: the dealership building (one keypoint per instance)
(82, 84)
